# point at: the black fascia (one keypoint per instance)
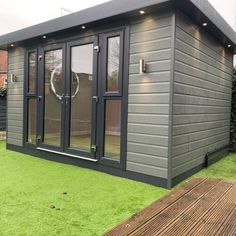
(198, 10)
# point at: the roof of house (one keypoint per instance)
(199, 10)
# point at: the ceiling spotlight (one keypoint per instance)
(83, 27)
(44, 37)
(229, 45)
(142, 12)
(204, 24)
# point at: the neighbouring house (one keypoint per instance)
(3, 68)
(140, 89)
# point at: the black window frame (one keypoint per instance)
(28, 96)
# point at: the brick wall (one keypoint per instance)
(3, 67)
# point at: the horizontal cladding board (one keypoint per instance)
(217, 84)
(15, 129)
(19, 66)
(149, 88)
(149, 109)
(150, 35)
(16, 142)
(150, 46)
(151, 67)
(147, 149)
(148, 139)
(196, 127)
(187, 70)
(15, 123)
(201, 56)
(14, 116)
(152, 56)
(14, 135)
(154, 77)
(151, 23)
(148, 129)
(199, 135)
(196, 161)
(149, 98)
(201, 35)
(203, 66)
(185, 38)
(181, 88)
(147, 159)
(191, 146)
(147, 169)
(199, 109)
(15, 98)
(194, 118)
(154, 119)
(18, 72)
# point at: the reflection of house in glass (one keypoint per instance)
(82, 95)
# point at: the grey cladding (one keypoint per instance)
(202, 96)
(149, 95)
(15, 97)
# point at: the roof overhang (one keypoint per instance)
(198, 10)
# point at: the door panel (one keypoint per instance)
(81, 80)
(51, 97)
(53, 90)
(81, 88)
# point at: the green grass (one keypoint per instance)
(94, 202)
(224, 169)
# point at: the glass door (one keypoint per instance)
(51, 97)
(68, 98)
(81, 97)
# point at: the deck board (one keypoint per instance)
(199, 207)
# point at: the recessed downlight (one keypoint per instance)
(204, 24)
(12, 45)
(83, 27)
(44, 36)
(142, 12)
(229, 45)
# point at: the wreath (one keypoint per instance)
(75, 77)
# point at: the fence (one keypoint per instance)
(3, 112)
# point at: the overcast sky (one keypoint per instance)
(17, 14)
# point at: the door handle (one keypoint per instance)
(96, 99)
(39, 98)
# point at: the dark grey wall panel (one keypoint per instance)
(149, 95)
(15, 99)
(202, 96)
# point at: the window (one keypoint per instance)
(112, 129)
(31, 97)
(112, 96)
(113, 64)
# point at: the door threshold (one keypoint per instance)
(67, 154)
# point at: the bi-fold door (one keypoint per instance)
(79, 98)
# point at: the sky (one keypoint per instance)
(17, 14)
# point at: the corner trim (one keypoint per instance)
(171, 94)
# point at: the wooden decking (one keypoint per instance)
(199, 207)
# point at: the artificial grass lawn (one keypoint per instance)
(224, 169)
(31, 187)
